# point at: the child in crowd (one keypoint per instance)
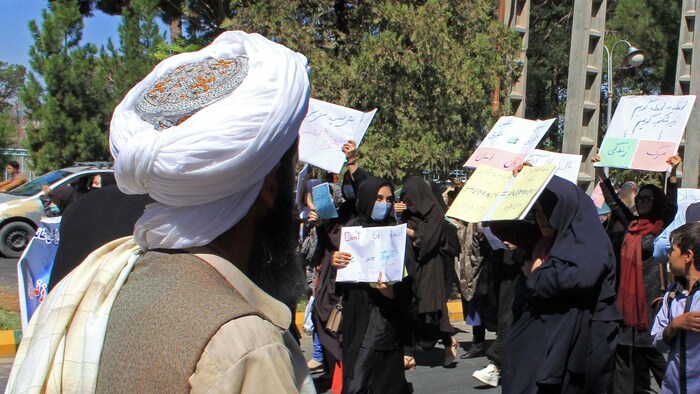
(677, 325)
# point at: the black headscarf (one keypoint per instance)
(429, 220)
(63, 196)
(569, 294)
(437, 193)
(692, 213)
(580, 239)
(366, 197)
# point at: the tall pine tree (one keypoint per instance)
(139, 38)
(65, 95)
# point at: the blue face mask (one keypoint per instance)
(349, 192)
(381, 209)
(55, 209)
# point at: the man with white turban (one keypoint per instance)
(195, 300)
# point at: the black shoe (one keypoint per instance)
(476, 350)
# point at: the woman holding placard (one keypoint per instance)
(564, 340)
(373, 329)
(640, 282)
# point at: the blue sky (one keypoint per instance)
(14, 28)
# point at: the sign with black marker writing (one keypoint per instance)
(509, 142)
(323, 203)
(645, 131)
(325, 129)
(567, 165)
(493, 194)
(373, 250)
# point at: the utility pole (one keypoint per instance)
(583, 90)
(688, 83)
(517, 13)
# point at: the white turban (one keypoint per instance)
(206, 172)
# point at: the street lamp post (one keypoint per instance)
(634, 58)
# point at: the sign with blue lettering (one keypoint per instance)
(373, 250)
(34, 267)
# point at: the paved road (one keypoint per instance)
(430, 376)
(8, 274)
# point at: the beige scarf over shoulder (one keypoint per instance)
(61, 348)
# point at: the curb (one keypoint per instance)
(9, 341)
(454, 307)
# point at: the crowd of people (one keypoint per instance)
(199, 297)
(571, 294)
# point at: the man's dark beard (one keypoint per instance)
(274, 264)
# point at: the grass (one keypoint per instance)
(9, 310)
(10, 320)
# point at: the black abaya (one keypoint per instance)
(565, 339)
(374, 329)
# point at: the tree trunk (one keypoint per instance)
(175, 29)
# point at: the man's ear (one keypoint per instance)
(268, 193)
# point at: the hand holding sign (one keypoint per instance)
(340, 260)
(386, 290)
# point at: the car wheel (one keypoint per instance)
(14, 237)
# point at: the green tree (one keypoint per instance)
(548, 64)
(11, 80)
(139, 39)
(430, 67)
(65, 96)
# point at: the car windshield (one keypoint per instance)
(34, 187)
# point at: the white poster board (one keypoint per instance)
(373, 250)
(325, 129)
(645, 131)
(567, 165)
(686, 197)
(509, 142)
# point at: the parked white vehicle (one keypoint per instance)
(21, 209)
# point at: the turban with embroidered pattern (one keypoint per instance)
(202, 130)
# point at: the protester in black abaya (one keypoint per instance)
(565, 339)
(328, 297)
(374, 328)
(640, 280)
(435, 245)
(95, 219)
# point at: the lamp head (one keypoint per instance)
(634, 57)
